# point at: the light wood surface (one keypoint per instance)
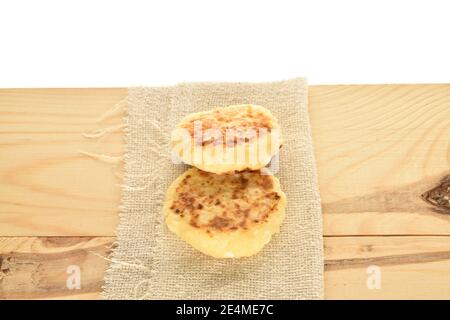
(47, 186)
(37, 267)
(411, 267)
(378, 148)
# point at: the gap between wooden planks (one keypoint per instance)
(411, 267)
(377, 148)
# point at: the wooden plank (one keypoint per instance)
(47, 187)
(37, 268)
(377, 148)
(411, 267)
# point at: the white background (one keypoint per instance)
(125, 43)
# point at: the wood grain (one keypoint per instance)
(412, 267)
(47, 187)
(36, 268)
(378, 148)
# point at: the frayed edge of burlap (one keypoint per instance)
(121, 208)
(145, 289)
(315, 176)
(142, 289)
(148, 288)
(125, 158)
(116, 109)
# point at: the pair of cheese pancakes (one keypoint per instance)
(228, 205)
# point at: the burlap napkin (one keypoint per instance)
(150, 262)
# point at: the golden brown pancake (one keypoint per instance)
(228, 139)
(225, 216)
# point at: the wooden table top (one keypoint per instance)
(378, 149)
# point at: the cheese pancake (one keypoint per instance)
(225, 216)
(227, 139)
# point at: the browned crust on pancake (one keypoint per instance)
(246, 123)
(221, 203)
